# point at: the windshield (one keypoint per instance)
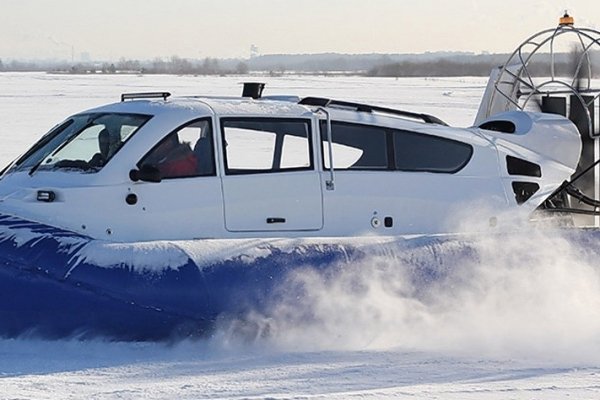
(83, 142)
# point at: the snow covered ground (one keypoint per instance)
(195, 371)
(519, 321)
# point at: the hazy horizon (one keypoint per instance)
(146, 29)
(434, 54)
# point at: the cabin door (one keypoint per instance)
(270, 183)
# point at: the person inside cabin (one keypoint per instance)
(203, 151)
(173, 158)
(108, 144)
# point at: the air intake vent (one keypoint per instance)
(499, 126)
(517, 166)
(524, 191)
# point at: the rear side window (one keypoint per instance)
(366, 147)
(266, 145)
(355, 146)
(421, 152)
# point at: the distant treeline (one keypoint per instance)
(432, 68)
(384, 65)
(564, 65)
(175, 65)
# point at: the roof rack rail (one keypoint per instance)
(324, 102)
(145, 95)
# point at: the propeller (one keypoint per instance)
(571, 98)
(576, 85)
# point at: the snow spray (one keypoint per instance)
(531, 293)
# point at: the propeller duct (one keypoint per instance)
(556, 71)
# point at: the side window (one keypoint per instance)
(262, 145)
(355, 146)
(186, 152)
(422, 152)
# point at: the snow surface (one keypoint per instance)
(519, 320)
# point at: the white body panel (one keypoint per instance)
(289, 201)
(297, 203)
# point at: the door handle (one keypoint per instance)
(275, 220)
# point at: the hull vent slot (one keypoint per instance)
(524, 191)
(517, 166)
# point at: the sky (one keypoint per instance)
(146, 29)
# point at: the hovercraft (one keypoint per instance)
(156, 216)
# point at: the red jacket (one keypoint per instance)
(184, 165)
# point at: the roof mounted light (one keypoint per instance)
(145, 95)
(566, 20)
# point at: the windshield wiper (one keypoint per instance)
(36, 166)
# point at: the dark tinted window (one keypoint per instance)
(421, 152)
(355, 146)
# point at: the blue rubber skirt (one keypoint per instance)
(59, 284)
(56, 284)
